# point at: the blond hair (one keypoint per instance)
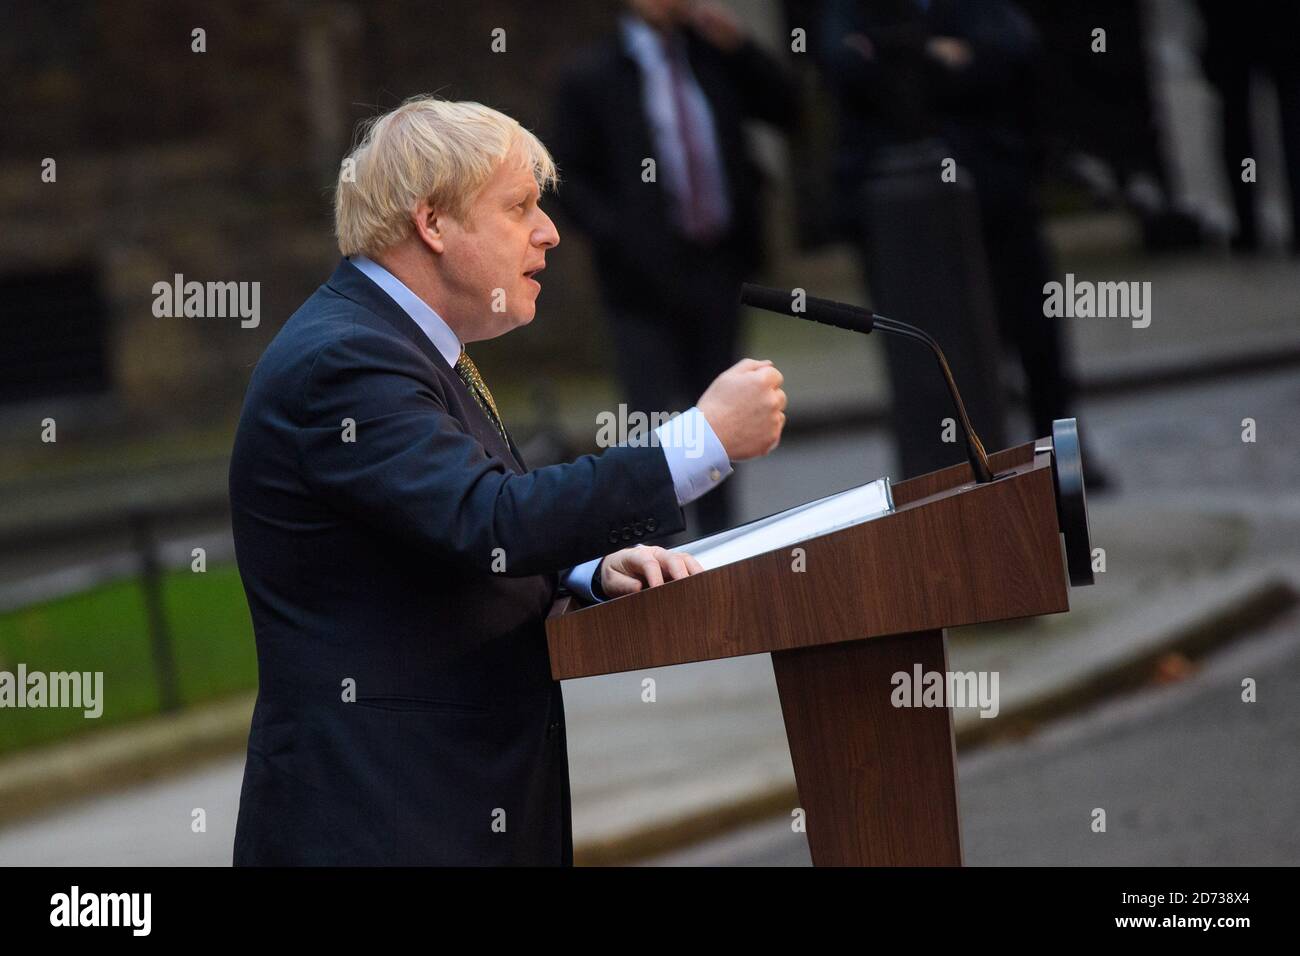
(427, 148)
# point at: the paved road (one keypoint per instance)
(1188, 775)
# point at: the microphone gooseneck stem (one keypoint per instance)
(855, 318)
(979, 459)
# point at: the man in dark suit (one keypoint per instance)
(398, 556)
(649, 135)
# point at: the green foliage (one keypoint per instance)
(105, 629)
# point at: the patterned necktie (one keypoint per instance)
(468, 372)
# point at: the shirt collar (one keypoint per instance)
(430, 322)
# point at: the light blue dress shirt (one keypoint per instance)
(696, 459)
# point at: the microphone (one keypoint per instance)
(854, 318)
(783, 301)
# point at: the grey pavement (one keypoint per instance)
(148, 825)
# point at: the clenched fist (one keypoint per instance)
(745, 407)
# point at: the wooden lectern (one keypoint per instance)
(877, 782)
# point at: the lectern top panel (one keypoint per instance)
(812, 519)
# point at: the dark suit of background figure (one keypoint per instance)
(371, 561)
(985, 114)
(671, 302)
(1103, 105)
(1245, 38)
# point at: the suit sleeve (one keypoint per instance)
(412, 471)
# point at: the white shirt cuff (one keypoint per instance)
(696, 458)
(578, 580)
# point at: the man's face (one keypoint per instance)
(491, 260)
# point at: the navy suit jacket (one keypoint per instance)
(368, 565)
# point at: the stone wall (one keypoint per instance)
(219, 165)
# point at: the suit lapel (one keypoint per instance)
(351, 283)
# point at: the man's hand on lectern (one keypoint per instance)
(644, 566)
(745, 407)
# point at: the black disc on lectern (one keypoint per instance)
(1071, 501)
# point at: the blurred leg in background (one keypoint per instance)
(1227, 58)
(667, 358)
(1019, 265)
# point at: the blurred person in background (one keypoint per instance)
(962, 73)
(673, 85)
(1102, 122)
(1245, 39)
